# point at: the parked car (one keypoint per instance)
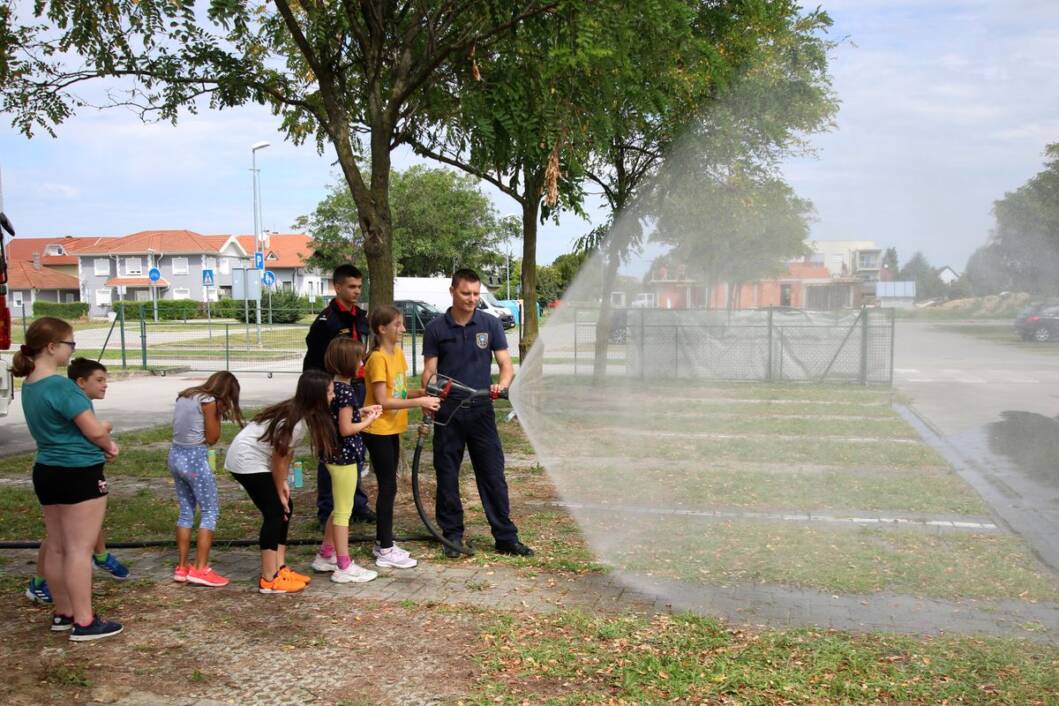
(425, 313)
(1039, 322)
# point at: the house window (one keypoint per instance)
(211, 263)
(180, 265)
(288, 286)
(16, 299)
(101, 266)
(69, 297)
(142, 295)
(869, 261)
(54, 250)
(785, 295)
(181, 293)
(617, 299)
(133, 266)
(226, 265)
(272, 257)
(103, 297)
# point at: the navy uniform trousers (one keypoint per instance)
(473, 428)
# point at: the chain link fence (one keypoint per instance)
(771, 345)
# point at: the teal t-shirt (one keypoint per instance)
(50, 405)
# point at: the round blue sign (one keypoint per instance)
(155, 274)
(269, 278)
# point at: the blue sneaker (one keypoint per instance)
(96, 630)
(38, 592)
(112, 566)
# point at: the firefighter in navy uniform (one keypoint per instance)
(342, 317)
(461, 344)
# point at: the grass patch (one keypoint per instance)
(572, 658)
(845, 560)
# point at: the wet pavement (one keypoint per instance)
(991, 410)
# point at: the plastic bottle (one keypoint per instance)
(299, 478)
(211, 459)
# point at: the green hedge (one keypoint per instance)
(287, 308)
(168, 309)
(73, 310)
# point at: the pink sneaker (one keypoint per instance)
(206, 577)
(180, 574)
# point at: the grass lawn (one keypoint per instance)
(572, 658)
(682, 452)
(769, 462)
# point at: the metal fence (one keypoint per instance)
(772, 345)
(135, 340)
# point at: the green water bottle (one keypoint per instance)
(299, 479)
(211, 459)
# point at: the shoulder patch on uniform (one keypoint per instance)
(482, 340)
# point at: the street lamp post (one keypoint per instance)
(257, 235)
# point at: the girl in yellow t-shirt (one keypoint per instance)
(386, 378)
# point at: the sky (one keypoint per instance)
(945, 106)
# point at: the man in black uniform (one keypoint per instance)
(342, 317)
(461, 345)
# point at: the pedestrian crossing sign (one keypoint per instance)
(207, 278)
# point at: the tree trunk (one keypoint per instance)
(530, 213)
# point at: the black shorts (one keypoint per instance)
(66, 485)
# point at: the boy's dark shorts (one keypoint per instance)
(66, 485)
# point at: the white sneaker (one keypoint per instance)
(395, 558)
(353, 574)
(377, 549)
(325, 564)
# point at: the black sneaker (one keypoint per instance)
(96, 630)
(515, 548)
(61, 623)
(453, 553)
(366, 516)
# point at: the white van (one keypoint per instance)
(435, 291)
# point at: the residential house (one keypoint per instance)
(41, 269)
(859, 259)
(118, 268)
(948, 275)
(804, 285)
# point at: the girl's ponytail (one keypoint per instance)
(43, 331)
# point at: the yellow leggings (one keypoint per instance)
(343, 486)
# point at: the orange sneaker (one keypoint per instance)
(287, 571)
(206, 577)
(280, 584)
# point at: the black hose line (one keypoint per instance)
(35, 544)
(421, 435)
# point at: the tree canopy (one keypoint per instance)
(441, 221)
(362, 77)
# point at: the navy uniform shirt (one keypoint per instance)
(335, 320)
(465, 352)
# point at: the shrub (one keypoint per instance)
(72, 310)
(168, 309)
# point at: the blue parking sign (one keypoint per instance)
(259, 260)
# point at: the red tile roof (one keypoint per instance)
(24, 248)
(291, 249)
(135, 282)
(169, 242)
(23, 275)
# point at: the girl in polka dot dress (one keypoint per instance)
(197, 426)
